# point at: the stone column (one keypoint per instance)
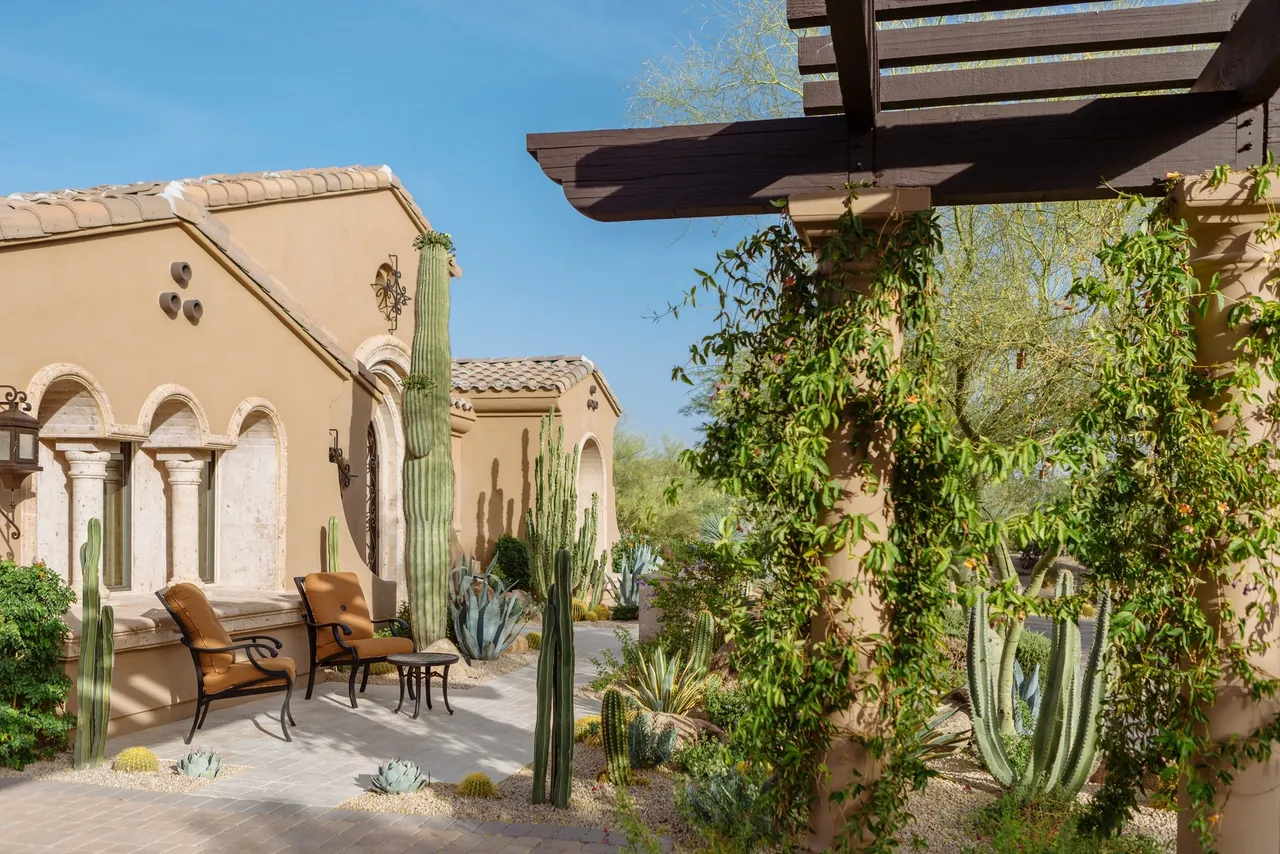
(88, 478)
(863, 614)
(1223, 221)
(184, 516)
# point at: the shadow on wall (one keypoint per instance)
(495, 513)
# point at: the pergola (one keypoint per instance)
(1089, 103)
(1036, 130)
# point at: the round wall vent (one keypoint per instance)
(171, 303)
(193, 309)
(181, 272)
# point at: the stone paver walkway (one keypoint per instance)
(287, 799)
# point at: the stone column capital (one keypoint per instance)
(815, 216)
(184, 472)
(90, 465)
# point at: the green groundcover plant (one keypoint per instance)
(33, 686)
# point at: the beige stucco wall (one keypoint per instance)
(499, 454)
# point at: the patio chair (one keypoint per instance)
(340, 630)
(219, 676)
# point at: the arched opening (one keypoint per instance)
(248, 517)
(591, 482)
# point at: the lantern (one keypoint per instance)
(19, 446)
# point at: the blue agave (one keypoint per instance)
(1027, 690)
(634, 563)
(487, 617)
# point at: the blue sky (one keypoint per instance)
(114, 92)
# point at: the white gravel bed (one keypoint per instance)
(167, 779)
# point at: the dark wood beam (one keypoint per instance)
(805, 14)
(853, 42)
(1050, 150)
(1141, 73)
(1010, 38)
(1248, 60)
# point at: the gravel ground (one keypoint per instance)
(592, 803)
(167, 779)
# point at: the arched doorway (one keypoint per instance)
(591, 481)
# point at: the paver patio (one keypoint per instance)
(286, 798)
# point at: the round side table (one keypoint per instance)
(415, 668)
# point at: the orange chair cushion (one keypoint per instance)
(244, 671)
(336, 597)
(200, 625)
(382, 647)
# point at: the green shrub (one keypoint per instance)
(33, 601)
(696, 577)
(625, 612)
(513, 561)
(954, 623)
(135, 760)
(1033, 649)
(1012, 824)
(725, 706)
(727, 803)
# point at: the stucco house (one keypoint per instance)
(216, 366)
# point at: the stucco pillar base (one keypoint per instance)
(862, 613)
(88, 479)
(1224, 221)
(184, 472)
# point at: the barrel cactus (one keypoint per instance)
(633, 563)
(97, 658)
(135, 760)
(487, 618)
(398, 777)
(428, 460)
(477, 785)
(613, 726)
(553, 730)
(200, 763)
(1065, 738)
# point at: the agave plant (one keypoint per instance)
(1028, 691)
(398, 777)
(722, 530)
(662, 684)
(487, 617)
(200, 763)
(636, 561)
(934, 743)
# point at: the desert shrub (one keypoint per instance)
(1012, 824)
(725, 706)
(726, 802)
(625, 612)
(954, 623)
(1033, 649)
(33, 601)
(696, 577)
(512, 561)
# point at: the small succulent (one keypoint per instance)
(477, 785)
(200, 763)
(136, 760)
(534, 640)
(398, 777)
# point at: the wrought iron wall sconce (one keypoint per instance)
(340, 460)
(19, 449)
(392, 297)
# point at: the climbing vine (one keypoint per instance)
(1170, 505)
(808, 354)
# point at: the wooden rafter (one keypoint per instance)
(1004, 153)
(1141, 73)
(803, 14)
(1011, 38)
(853, 43)
(1248, 60)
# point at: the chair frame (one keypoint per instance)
(252, 644)
(346, 654)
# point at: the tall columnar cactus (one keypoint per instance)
(704, 634)
(335, 563)
(97, 656)
(613, 729)
(1065, 740)
(553, 731)
(551, 522)
(428, 460)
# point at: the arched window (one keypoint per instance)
(372, 522)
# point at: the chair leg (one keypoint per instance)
(351, 682)
(207, 705)
(285, 714)
(195, 722)
(311, 677)
(364, 680)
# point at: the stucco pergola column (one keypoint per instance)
(184, 472)
(88, 479)
(1224, 222)
(848, 760)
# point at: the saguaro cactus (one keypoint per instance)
(613, 728)
(1065, 741)
(553, 731)
(97, 655)
(428, 460)
(334, 563)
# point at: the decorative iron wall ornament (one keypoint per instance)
(340, 460)
(392, 297)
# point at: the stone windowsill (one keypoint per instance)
(141, 621)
